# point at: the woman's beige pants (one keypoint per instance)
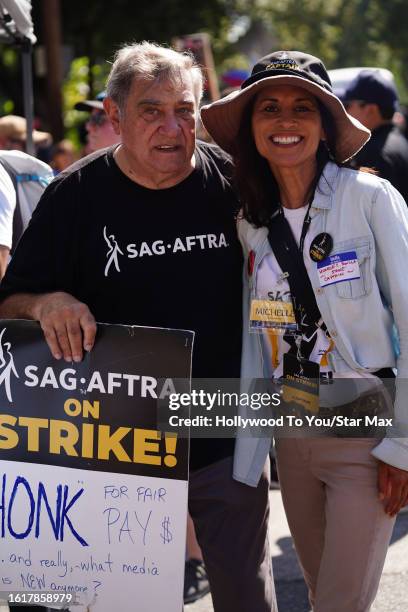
(340, 530)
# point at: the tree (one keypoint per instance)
(344, 32)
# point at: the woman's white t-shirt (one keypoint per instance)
(268, 281)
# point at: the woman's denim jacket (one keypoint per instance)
(367, 317)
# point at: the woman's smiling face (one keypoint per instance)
(287, 127)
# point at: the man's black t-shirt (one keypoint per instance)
(137, 256)
(387, 152)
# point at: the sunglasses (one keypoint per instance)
(97, 119)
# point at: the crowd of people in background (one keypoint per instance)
(369, 97)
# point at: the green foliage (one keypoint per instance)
(345, 32)
(342, 32)
(10, 58)
(75, 89)
(10, 81)
(8, 107)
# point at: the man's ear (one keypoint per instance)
(112, 110)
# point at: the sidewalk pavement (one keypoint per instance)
(290, 587)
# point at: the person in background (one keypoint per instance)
(62, 156)
(373, 100)
(100, 133)
(334, 242)
(13, 134)
(7, 206)
(23, 179)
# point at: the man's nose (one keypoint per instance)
(170, 124)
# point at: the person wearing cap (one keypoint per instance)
(373, 100)
(23, 178)
(100, 133)
(62, 156)
(326, 249)
(13, 134)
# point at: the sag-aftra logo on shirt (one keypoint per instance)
(158, 247)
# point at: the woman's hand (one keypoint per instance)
(392, 487)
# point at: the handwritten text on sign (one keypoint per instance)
(93, 496)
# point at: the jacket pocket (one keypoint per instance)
(358, 287)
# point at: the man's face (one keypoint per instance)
(157, 129)
(359, 110)
(100, 133)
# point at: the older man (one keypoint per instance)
(144, 234)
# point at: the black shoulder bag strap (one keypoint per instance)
(290, 259)
(17, 218)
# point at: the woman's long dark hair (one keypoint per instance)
(258, 189)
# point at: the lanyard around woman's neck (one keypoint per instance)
(305, 227)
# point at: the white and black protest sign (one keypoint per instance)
(93, 497)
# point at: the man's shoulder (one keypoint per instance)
(63, 191)
(87, 166)
(386, 147)
(396, 144)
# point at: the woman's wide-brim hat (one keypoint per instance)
(222, 119)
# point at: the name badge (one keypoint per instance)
(338, 268)
(301, 383)
(269, 314)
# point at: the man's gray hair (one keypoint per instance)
(148, 61)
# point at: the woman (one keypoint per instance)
(327, 250)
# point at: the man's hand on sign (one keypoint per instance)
(68, 325)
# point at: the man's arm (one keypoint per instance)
(68, 325)
(4, 257)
